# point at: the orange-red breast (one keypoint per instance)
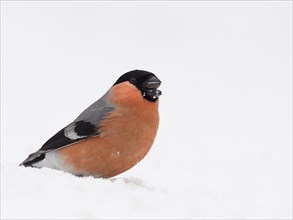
(111, 135)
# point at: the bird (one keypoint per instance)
(110, 136)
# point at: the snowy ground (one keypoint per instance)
(224, 145)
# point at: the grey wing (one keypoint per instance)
(96, 112)
(84, 126)
(87, 123)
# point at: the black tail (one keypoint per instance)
(33, 158)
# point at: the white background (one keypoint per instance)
(224, 147)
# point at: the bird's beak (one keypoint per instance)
(150, 87)
(152, 83)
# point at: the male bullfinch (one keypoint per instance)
(110, 136)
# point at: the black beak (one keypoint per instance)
(152, 83)
(150, 88)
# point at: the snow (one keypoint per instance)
(224, 145)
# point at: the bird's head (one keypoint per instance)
(144, 81)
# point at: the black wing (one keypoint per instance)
(86, 125)
(70, 134)
(74, 132)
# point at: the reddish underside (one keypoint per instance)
(127, 135)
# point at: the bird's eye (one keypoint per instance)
(132, 80)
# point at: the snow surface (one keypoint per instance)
(224, 147)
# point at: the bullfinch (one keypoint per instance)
(111, 135)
